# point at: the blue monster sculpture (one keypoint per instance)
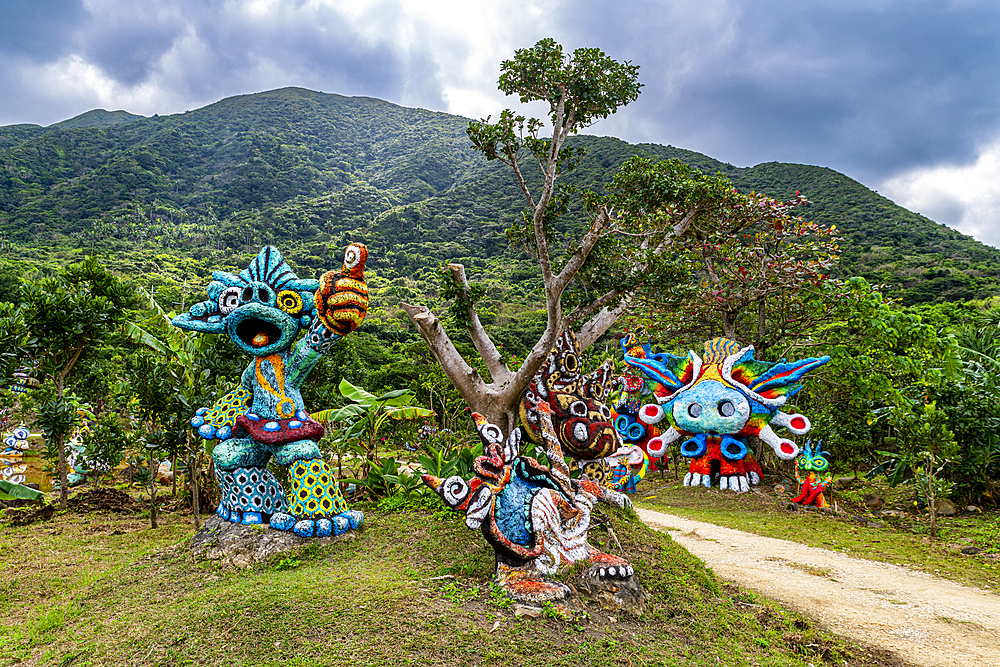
(713, 405)
(263, 309)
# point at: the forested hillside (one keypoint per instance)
(311, 171)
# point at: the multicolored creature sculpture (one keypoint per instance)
(579, 416)
(713, 405)
(534, 516)
(622, 471)
(811, 464)
(636, 423)
(263, 309)
(16, 443)
(22, 383)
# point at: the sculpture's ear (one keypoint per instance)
(595, 385)
(780, 379)
(667, 372)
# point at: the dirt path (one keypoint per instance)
(923, 619)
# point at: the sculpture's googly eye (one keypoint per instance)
(578, 409)
(820, 463)
(352, 256)
(492, 433)
(229, 300)
(726, 408)
(694, 410)
(290, 302)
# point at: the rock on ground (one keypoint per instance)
(237, 545)
(616, 595)
(945, 507)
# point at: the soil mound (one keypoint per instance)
(104, 499)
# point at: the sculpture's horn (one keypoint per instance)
(432, 481)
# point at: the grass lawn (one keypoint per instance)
(412, 589)
(903, 539)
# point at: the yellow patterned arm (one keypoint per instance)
(217, 422)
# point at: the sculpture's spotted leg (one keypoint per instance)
(528, 585)
(316, 506)
(250, 493)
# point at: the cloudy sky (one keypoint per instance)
(903, 96)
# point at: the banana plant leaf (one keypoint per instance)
(12, 491)
(408, 412)
(367, 399)
(339, 414)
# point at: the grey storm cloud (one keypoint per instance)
(38, 30)
(868, 88)
(199, 51)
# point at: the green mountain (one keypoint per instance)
(97, 118)
(311, 170)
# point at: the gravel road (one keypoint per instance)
(923, 619)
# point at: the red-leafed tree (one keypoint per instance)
(759, 275)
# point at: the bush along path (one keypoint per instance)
(924, 619)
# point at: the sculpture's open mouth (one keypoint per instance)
(257, 333)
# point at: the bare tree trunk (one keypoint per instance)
(761, 326)
(60, 379)
(729, 325)
(195, 499)
(152, 490)
(63, 474)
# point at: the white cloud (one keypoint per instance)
(965, 197)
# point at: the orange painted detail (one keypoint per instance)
(285, 407)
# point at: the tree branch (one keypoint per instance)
(484, 345)
(69, 366)
(588, 310)
(538, 214)
(462, 375)
(684, 224)
(532, 363)
(582, 251)
(522, 183)
(600, 323)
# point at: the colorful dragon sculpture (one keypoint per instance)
(263, 309)
(811, 464)
(585, 426)
(534, 516)
(713, 405)
(581, 420)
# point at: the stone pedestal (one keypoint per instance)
(237, 545)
